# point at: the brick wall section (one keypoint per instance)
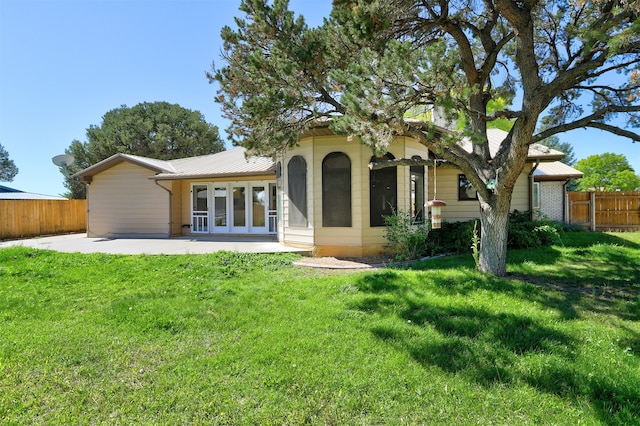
(551, 200)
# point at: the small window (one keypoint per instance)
(536, 195)
(297, 191)
(336, 190)
(466, 191)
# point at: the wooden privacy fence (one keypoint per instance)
(31, 218)
(604, 211)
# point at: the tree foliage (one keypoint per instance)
(8, 169)
(607, 172)
(372, 61)
(555, 143)
(157, 130)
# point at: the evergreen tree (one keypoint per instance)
(8, 169)
(372, 61)
(157, 130)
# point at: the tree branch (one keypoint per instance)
(402, 162)
(635, 137)
(592, 121)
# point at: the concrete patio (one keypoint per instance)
(79, 243)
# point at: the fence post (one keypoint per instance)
(593, 211)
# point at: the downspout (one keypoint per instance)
(564, 200)
(170, 205)
(533, 169)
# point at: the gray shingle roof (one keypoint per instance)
(229, 163)
(536, 151)
(233, 162)
(555, 171)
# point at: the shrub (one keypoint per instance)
(452, 237)
(525, 233)
(405, 240)
(456, 237)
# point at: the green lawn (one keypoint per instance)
(250, 339)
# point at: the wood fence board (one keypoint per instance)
(613, 210)
(31, 218)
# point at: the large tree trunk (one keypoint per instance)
(494, 218)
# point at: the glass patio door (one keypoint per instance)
(239, 209)
(259, 209)
(220, 209)
(200, 209)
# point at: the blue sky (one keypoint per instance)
(64, 64)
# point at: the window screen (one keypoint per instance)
(297, 191)
(336, 190)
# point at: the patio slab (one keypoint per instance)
(80, 243)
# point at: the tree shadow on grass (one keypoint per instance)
(487, 346)
(589, 272)
(599, 278)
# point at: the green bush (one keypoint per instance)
(452, 237)
(525, 233)
(406, 241)
(456, 237)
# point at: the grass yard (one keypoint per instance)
(250, 339)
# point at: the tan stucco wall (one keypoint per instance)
(123, 201)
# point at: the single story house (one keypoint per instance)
(550, 189)
(320, 194)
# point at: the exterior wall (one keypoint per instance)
(176, 208)
(298, 236)
(552, 200)
(446, 187)
(360, 239)
(123, 201)
(339, 241)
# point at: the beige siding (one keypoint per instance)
(339, 240)
(298, 236)
(521, 192)
(445, 185)
(176, 209)
(123, 201)
(361, 239)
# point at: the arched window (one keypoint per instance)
(336, 190)
(383, 192)
(297, 191)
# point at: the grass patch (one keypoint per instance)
(232, 338)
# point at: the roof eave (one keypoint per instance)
(112, 161)
(212, 175)
(544, 158)
(550, 178)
